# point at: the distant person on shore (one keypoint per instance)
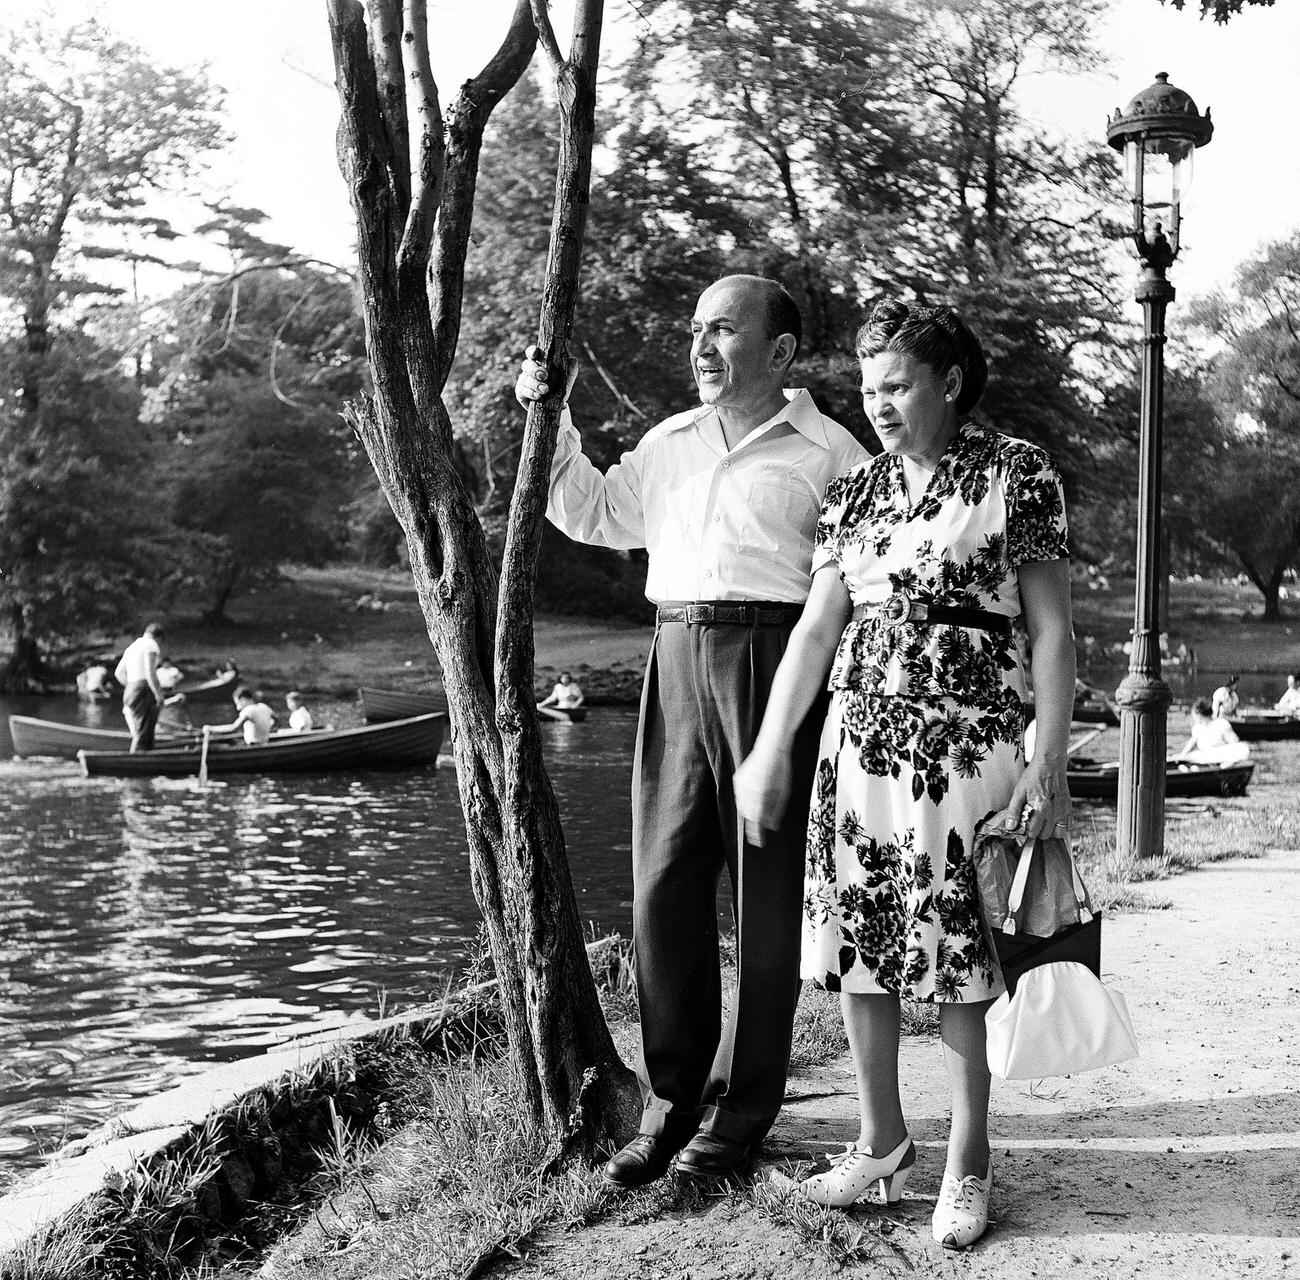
(566, 696)
(255, 718)
(1289, 702)
(1226, 700)
(300, 719)
(724, 498)
(142, 695)
(94, 683)
(1212, 740)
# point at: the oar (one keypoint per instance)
(1083, 742)
(203, 757)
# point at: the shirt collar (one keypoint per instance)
(800, 412)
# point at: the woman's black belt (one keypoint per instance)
(744, 613)
(900, 608)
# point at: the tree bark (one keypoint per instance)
(572, 1081)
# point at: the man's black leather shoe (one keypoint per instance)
(644, 1159)
(709, 1155)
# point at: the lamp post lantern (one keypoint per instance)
(1158, 133)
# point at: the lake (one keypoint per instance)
(150, 928)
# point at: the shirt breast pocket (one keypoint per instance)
(782, 514)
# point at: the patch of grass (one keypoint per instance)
(842, 1240)
(458, 1184)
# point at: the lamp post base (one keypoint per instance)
(1143, 700)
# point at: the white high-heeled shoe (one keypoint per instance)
(852, 1173)
(961, 1214)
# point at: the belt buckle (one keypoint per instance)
(901, 608)
(698, 613)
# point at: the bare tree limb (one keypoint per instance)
(386, 53)
(428, 147)
(546, 36)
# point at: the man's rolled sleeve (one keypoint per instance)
(604, 510)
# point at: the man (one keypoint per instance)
(1289, 702)
(255, 718)
(142, 695)
(1226, 700)
(725, 500)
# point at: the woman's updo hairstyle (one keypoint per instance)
(936, 336)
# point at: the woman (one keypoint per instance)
(924, 556)
(1212, 739)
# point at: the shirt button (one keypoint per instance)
(726, 464)
(708, 573)
(717, 519)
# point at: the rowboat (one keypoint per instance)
(1093, 705)
(378, 706)
(571, 715)
(33, 737)
(1099, 780)
(1256, 724)
(219, 689)
(413, 741)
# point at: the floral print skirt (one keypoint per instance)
(889, 897)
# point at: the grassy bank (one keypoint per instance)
(307, 633)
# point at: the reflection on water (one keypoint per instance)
(150, 927)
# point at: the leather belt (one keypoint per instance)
(901, 608)
(743, 613)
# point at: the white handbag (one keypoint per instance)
(1060, 1018)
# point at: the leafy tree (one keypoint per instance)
(89, 130)
(1244, 458)
(82, 540)
(254, 483)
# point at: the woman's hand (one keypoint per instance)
(761, 786)
(1041, 801)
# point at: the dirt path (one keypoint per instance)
(1182, 1164)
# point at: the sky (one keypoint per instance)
(273, 59)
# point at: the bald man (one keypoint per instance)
(725, 499)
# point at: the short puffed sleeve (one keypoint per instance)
(1036, 525)
(826, 541)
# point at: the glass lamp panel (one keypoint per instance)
(1166, 172)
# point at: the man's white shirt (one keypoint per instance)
(718, 523)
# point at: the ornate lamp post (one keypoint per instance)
(1158, 132)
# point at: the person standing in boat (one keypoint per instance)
(142, 694)
(566, 696)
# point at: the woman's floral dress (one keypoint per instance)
(923, 738)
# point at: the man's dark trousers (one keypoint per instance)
(140, 708)
(705, 692)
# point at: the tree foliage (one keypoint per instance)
(1242, 462)
(1220, 10)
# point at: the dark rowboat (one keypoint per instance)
(414, 741)
(1093, 705)
(1259, 725)
(33, 737)
(219, 689)
(1095, 780)
(378, 706)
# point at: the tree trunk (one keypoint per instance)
(23, 670)
(412, 198)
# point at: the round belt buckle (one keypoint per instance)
(898, 608)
